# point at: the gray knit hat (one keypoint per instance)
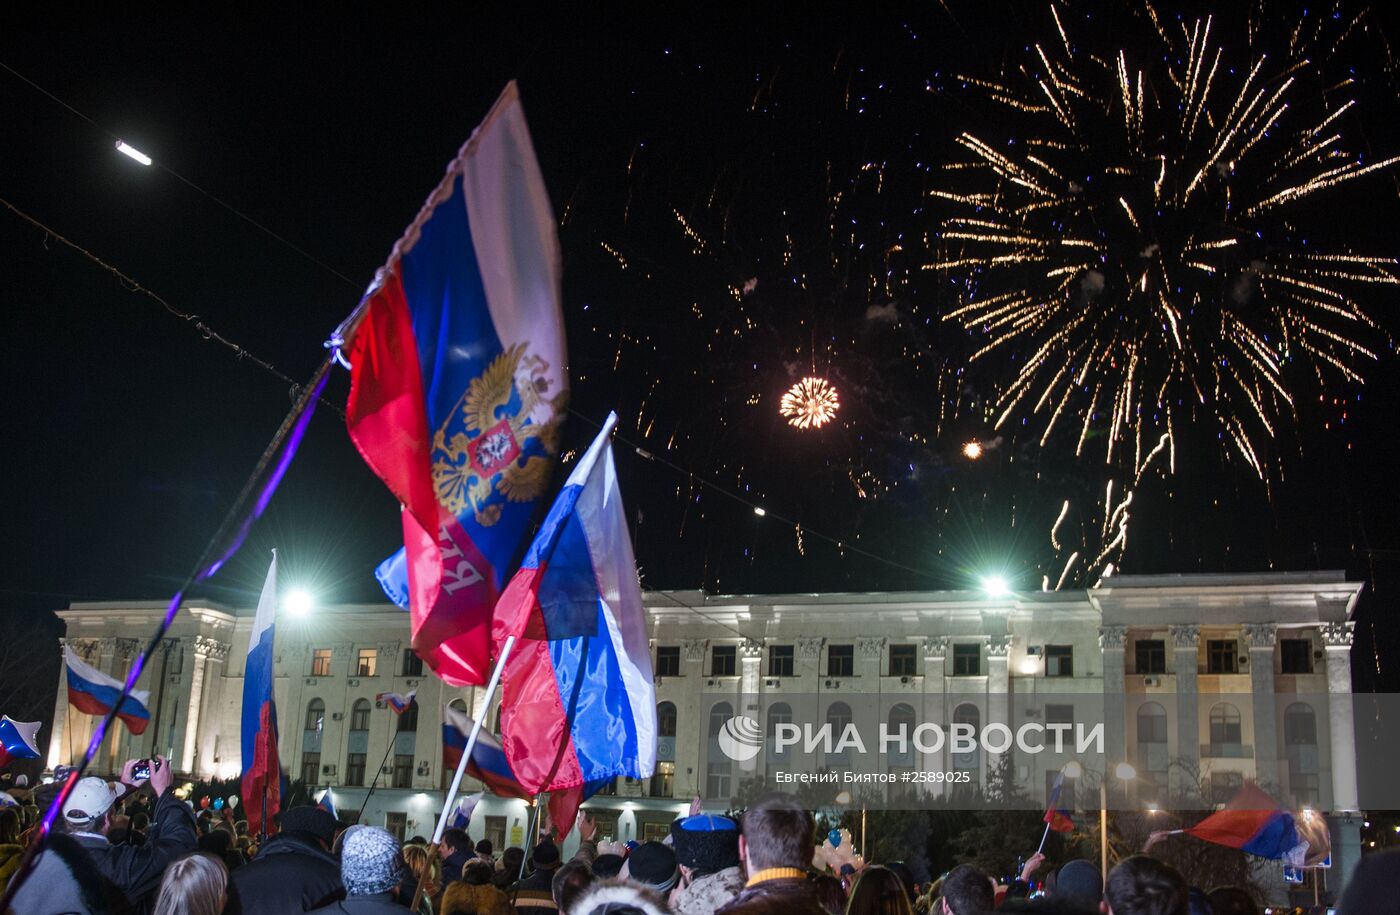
(369, 861)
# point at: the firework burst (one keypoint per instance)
(1135, 247)
(810, 404)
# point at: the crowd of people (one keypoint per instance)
(136, 847)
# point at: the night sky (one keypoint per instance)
(788, 149)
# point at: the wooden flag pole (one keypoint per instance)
(462, 766)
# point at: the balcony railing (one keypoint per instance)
(1227, 751)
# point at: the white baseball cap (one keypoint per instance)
(90, 800)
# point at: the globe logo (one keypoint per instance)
(740, 738)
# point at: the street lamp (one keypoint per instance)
(995, 586)
(299, 602)
(1126, 773)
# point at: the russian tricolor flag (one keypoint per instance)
(1254, 822)
(18, 740)
(92, 692)
(399, 703)
(1056, 817)
(459, 385)
(262, 770)
(578, 699)
(488, 763)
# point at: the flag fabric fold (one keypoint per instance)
(488, 763)
(397, 702)
(1056, 817)
(262, 769)
(578, 699)
(18, 740)
(462, 816)
(458, 388)
(1253, 822)
(92, 692)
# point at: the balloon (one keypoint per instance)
(233, 802)
(218, 803)
(834, 837)
(204, 802)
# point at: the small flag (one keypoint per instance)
(92, 692)
(327, 803)
(397, 702)
(262, 770)
(488, 763)
(465, 808)
(578, 697)
(1253, 822)
(18, 740)
(1056, 817)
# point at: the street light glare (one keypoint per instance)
(298, 602)
(133, 152)
(1073, 769)
(1125, 771)
(995, 586)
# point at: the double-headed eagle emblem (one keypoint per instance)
(498, 443)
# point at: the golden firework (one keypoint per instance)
(810, 404)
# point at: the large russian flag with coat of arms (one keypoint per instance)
(458, 388)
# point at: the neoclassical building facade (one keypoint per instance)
(1202, 681)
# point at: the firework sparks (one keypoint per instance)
(1135, 247)
(972, 450)
(810, 404)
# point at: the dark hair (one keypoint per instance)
(457, 840)
(570, 882)
(829, 892)
(968, 891)
(1140, 885)
(484, 847)
(477, 873)
(605, 867)
(141, 821)
(879, 891)
(513, 857)
(778, 832)
(1231, 900)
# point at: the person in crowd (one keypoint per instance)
(606, 867)
(618, 897)
(219, 843)
(193, 885)
(776, 845)
(511, 861)
(119, 829)
(966, 891)
(1141, 885)
(416, 863)
(455, 850)
(569, 883)
(707, 852)
(831, 892)
(535, 894)
(10, 848)
(65, 881)
(1076, 886)
(1231, 900)
(652, 866)
(1198, 903)
(293, 871)
(879, 891)
(475, 893)
(486, 851)
(906, 879)
(1371, 889)
(371, 868)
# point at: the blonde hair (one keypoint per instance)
(415, 857)
(194, 885)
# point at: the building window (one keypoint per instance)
(723, 660)
(1296, 656)
(1222, 656)
(315, 715)
(408, 721)
(1151, 656)
(1061, 714)
(1059, 660)
(967, 660)
(412, 664)
(396, 824)
(355, 770)
(840, 660)
(780, 661)
(1299, 726)
(902, 660)
(668, 661)
(403, 770)
(720, 712)
(310, 768)
(663, 780)
(321, 662)
(717, 778)
(1225, 725)
(967, 714)
(174, 658)
(366, 662)
(359, 715)
(666, 720)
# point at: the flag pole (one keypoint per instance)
(1043, 836)
(382, 763)
(462, 767)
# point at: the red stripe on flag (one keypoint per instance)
(531, 705)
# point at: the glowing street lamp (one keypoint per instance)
(128, 150)
(995, 586)
(299, 602)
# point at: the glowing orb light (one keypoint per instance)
(810, 404)
(972, 450)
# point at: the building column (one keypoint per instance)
(1111, 641)
(57, 749)
(1184, 779)
(998, 692)
(1346, 832)
(750, 666)
(215, 653)
(935, 709)
(1261, 637)
(198, 653)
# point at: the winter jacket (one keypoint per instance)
(708, 894)
(475, 899)
(611, 895)
(291, 874)
(378, 904)
(453, 864)
(66, 881)
(136, 870)
(535, 894)
(10, 856)
(788, 894)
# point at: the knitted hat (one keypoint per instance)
(369, 861)
(314, 820)
(706, 842)
(1079, 881)
(545, 855)
(652, 866)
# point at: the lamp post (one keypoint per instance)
(1125, 773)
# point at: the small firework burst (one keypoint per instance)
(810, 404)
(972, 450)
